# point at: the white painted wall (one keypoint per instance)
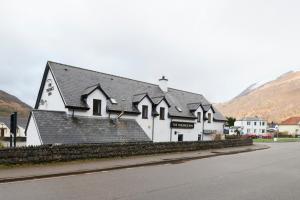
(291, 129)
(33, 136)
(53, 101)
(162, 127)
(146, 124)
(250, 129)
(219, 127)
(188, 134)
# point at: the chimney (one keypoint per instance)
(163, 84)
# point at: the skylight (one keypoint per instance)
(179, 109)
(113, 101)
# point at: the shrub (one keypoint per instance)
(232, 137)
(1, 145)
(218, 137)
(267, 136)
(283, 135)
(250, 136)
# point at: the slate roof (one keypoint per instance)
(57, 127)
(22, 122)
(252, 119)
(73, 82)
(291, 121)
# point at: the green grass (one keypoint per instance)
(279, 140)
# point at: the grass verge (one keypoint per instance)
(279, 140)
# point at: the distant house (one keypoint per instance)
(290, 126)
(252, 125)
(5, 131)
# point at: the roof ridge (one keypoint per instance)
(186, 91)
(122, 77)
(103, 73)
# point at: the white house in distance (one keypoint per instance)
(290, 126)
(252, 125)
(5, 131)
(77, 105)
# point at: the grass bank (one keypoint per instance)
(279, 140)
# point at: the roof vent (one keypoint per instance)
(179, 109)
(66, 69)
(113, 101)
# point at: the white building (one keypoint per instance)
(252, 125)
(5, 131)
(76, 105)
(290, 126)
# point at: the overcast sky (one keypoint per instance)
(216, 48)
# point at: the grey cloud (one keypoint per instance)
(216, 48)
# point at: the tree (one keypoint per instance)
(230, 121)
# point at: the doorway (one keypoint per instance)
(180, 137)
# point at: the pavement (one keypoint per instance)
(31, 172)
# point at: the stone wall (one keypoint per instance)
(40, 154)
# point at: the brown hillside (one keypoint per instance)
(274, 101)
(9, 104)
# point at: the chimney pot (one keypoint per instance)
(163, 84)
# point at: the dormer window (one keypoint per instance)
(145, 112)
(97, 107)
(162, 113)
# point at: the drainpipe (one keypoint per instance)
(152, 128)
(203, 121)
(171, 132)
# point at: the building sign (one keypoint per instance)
(208, 132)
(50, 87)
(183, 125)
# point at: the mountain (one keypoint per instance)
(10, 103)
(275, 100)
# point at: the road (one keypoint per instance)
(268, 174)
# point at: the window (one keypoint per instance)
(2, 132)
(248, 123)
(254, 123)
(145, 112)
(96, 107)
(162, 113)
(199, 137)
(263, 123)
(209, 117)
(254, 130)
(180, 137)
(248, 130)
(198, 116)
(263, 130)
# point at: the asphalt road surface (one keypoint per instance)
(268, 174)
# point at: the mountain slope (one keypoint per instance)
(10, 103)
(275, 100)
